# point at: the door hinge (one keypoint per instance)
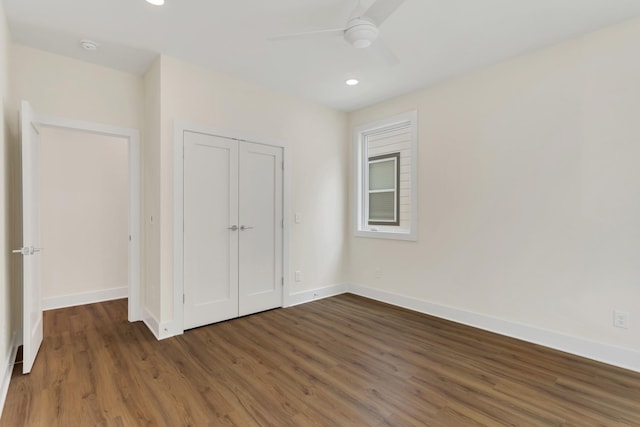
(282, 280)
(282, 223)
(184, 299)
(282, 165)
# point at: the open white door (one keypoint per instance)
(31, 260)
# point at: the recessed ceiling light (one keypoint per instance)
(156, 2)
(352, 82)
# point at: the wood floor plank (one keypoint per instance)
(341, 361)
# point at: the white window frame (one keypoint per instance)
(361, 158)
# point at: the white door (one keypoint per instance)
(260, 263)
(210, 229)
(32, 259)
(232, 228)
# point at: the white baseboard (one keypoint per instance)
(7, 370)
(82, 298)
(612, 355)
(314, 294)
(160, 330)
(167, 329)
(152, 323)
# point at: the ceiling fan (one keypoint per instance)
(361, 31)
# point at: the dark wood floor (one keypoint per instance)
(342, 361)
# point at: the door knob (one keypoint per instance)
(233, 228)
(244, 227)
(27, 250)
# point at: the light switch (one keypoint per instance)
(298, 217)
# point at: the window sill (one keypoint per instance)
(389, 235)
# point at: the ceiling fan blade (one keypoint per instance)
(381, 50)
(358, 11)
(381, 10)
(309, 34)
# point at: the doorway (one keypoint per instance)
(99, 134)
(31, 250)
(84, 182)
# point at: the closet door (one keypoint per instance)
(260, 262)
(210, 240)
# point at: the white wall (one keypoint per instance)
(315, 137)
(529, 199)
(60, 86)
(84, 214)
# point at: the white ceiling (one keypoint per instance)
(434, 39)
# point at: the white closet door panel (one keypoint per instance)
(260, 261)
(210, 246)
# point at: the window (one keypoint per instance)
(386, 178)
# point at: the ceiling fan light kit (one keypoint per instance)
(361, 33)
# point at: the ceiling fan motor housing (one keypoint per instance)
(361, 33)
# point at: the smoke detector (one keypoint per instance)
(89, 45)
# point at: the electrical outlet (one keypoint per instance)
(378, 273)
(620, 319)
(298, 275)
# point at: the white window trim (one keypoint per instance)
(361, 229)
